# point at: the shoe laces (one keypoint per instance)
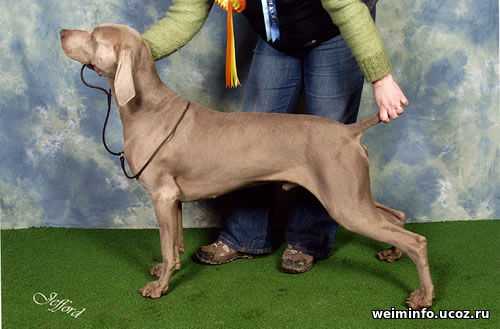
(222, 245)
(292, 250)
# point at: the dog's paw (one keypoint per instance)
(419, 299)
(156, 270)
(153, 289)
(390, 255)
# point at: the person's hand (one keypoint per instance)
(389, 98)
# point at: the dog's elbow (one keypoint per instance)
(166, 194)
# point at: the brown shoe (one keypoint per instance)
(295, 261)
(218, 253)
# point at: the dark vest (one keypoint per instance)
(303, 23)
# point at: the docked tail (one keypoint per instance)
(359, 127)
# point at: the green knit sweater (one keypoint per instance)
(185, 18)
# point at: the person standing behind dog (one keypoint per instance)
(322, 48)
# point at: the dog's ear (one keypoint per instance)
(124, 79)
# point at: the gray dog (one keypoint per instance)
(209, 153)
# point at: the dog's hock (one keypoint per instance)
(124, 80)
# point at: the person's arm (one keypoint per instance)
(358, 29)
(356, 26)
(182, 21)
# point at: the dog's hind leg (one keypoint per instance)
(396, 217)
(371, 222)
(353, 208)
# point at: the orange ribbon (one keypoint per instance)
(229, 6)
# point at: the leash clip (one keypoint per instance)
(122, 163)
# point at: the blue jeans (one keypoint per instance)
(331, 82)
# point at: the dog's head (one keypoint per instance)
(112, 51)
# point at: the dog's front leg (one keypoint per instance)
(167, 210)
(179, 243)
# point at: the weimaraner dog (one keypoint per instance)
(211, 153)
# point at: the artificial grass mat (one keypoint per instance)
(101, 270)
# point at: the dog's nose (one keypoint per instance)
(63, 33)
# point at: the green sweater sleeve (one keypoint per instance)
(182, 21)
(356, 25)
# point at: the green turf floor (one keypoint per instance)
(101, 270)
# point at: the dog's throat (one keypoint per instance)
(151, 132)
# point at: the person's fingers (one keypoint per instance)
(392, 112)
(384, 117)
(399, 109)
(404, 100)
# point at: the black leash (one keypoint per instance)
(108, 94)
(121, 154)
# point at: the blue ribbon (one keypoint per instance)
(271, 22)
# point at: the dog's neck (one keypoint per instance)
(149, 116)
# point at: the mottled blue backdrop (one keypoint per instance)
(440, 161)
